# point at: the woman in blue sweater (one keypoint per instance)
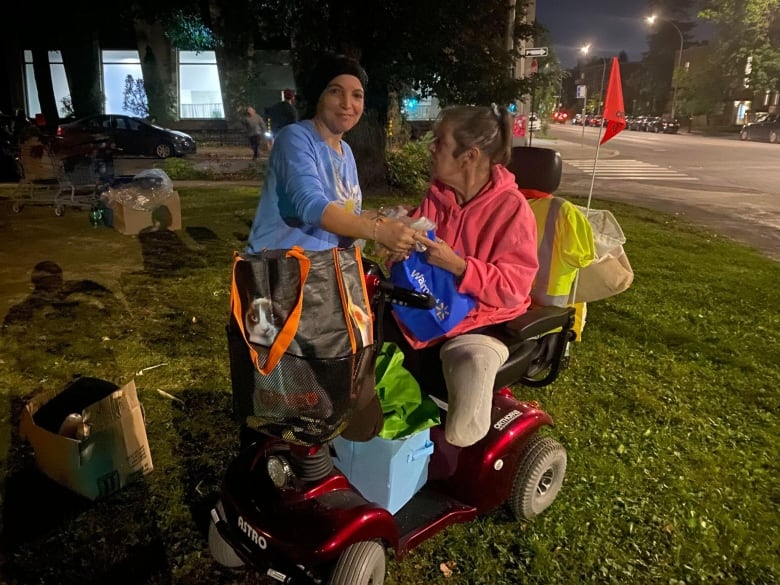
(311, 196)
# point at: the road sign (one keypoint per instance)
(582, 91)
(534, 66)
(535, 52)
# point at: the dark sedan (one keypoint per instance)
(766, 128)
(661, 124)
(128, 135)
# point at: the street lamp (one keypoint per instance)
(650, 20)
(584, 50)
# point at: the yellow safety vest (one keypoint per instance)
(565, 245)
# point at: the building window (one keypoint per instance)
(59, 82)
(742, 109)
(117, 66)
(200, 96)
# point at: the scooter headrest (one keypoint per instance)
(536, 168)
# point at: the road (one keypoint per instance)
(729, 186)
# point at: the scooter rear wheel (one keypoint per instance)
(362, 563)
(538, 478)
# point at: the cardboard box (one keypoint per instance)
(164, 215)
(388, 472)
(107, 447)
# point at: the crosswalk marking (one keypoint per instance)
(628, 169)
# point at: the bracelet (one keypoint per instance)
(379, 220)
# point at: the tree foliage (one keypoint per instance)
(547, 83)
(663, 42)
(188, 32)
(749, 32)
(700, 91)
(135, 100)
(447, 48)
(453, 49)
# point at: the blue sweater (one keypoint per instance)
(304, 176)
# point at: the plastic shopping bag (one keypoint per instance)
(451, 306)
(406, 410)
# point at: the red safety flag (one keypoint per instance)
(614, 113)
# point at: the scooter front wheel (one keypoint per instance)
(362, 563)
(539, 477)
(220, 550)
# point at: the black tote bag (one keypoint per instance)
(300, 340)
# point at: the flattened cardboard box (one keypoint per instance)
(129, 221)
(114, 450)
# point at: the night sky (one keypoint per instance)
(610, 26)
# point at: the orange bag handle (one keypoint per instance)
(290, 327)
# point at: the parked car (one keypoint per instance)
(593, 121)
(661, 124)
(766, 128)
(635, 123)
(127, 134)
(534, 124)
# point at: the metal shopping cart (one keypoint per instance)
(75, 181)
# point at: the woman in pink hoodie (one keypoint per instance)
(485, 236)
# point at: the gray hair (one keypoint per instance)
(486, 128)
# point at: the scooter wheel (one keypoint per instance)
(538, 478)
(220, 550)
(362, 563)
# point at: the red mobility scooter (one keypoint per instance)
(288, 511)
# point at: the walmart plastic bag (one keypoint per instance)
(406, 410)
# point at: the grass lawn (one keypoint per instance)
(668, 412)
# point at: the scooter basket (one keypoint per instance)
(303, 401)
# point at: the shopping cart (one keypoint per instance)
(50, 180)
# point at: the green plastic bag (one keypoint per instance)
(406, 410)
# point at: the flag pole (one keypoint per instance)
(598, 140)
(615, 114)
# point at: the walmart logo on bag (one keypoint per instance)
(441, 309)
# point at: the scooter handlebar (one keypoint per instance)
(406, 296)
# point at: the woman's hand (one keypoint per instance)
(438, 253)
(397, 237)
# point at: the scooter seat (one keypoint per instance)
(536, 341)
(536, 322)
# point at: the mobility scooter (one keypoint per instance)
(288, 511)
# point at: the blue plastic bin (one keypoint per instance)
(388, 472)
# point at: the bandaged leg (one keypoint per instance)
(470, 363)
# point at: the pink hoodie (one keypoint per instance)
(496, 233)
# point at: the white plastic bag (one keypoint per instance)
(610, 273)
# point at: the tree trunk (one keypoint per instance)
(236, 66)
(82, 69)
(12, 98)
(159, 71)
(46, 98)
(367, 141)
